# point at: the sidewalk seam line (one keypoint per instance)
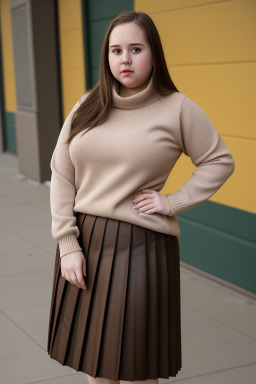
(22, 330)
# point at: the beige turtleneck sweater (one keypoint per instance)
(136, 148)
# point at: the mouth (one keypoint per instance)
(126, 71)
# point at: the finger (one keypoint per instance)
(152, 210)
(147, 207)
(142, 198)
(67, 276)
(143, 202)
(84, 267)
(80, 279)
(74, 278)
(63, 275)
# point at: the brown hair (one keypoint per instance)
(96, 107)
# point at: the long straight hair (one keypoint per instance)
(95, 109)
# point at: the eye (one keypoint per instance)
(116, 49)
(137, 50)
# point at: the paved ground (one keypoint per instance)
(218, 324)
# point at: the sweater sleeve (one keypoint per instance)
(208, 152)
(63, 191)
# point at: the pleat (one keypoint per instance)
(100, 289)
(152, 306)
(53, 299)
(75, 335)
(111, 344)
(178, 305)
(80, 219)
(163, 329)
(93, 234)
(65, 321)
(86, 233)
(134, 343)
(172, 245)
(59, 285)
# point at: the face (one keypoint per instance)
(130, 58)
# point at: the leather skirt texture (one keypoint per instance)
(126, 325)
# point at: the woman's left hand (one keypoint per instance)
(150, 201)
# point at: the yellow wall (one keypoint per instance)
(7, 54)
(210, 52)
(72, 52)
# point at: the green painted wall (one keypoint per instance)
(97, 15)
(9, 132)
(7, 81)
(220, 240)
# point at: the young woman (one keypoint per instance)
(115, 310)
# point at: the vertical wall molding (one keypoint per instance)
(37, 83)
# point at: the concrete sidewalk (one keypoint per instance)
(218, 324)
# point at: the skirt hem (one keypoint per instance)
(118, 378)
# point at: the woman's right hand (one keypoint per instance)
(73, 268)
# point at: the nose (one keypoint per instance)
(126, 58)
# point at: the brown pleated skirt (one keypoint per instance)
(126, 324)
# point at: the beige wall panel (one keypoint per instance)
(7, 48)
(180, 173)
(224, 32)
(227, 93)
(73, 88)
(73, 57)
(70, 14)
(239, 190)
(10, 89)
(8, 60)
(152, 6)
(72, 53)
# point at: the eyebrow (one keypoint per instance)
(117, 45)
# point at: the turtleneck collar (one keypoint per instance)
(140, 99)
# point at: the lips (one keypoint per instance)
(126, 71)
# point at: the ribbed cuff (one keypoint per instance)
(68, 244)
(177, 202)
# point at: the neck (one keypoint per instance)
(140, 99)
(126, 92)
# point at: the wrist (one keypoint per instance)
(68, 244)
(170, 211)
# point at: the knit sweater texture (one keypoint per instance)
(136, 148)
